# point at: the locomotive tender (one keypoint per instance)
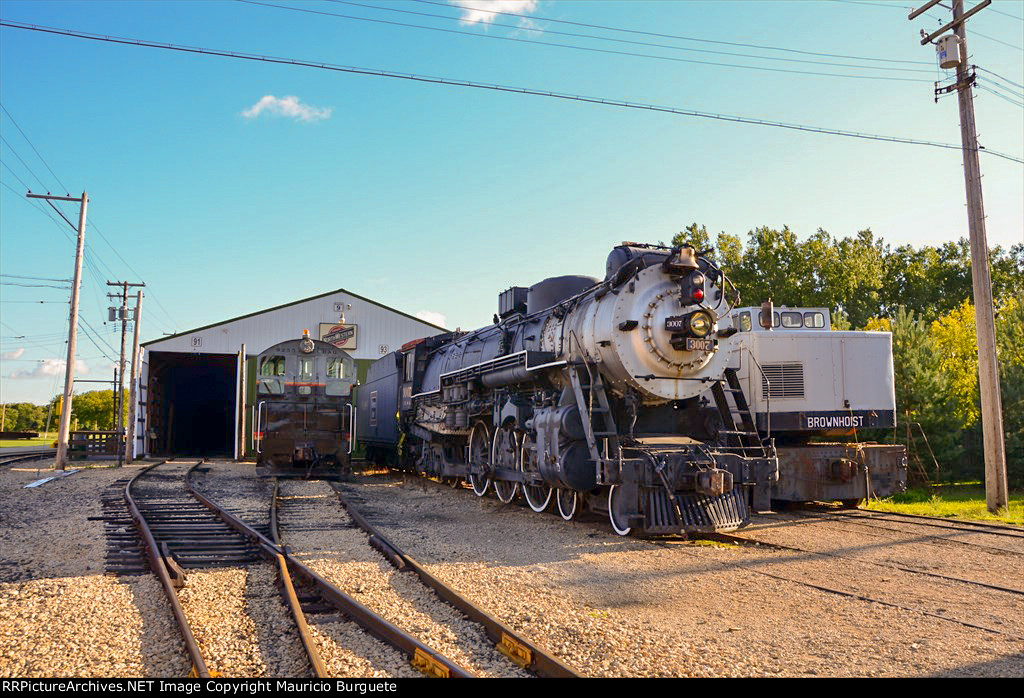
(613, 395)
(806, 381)
(304, 415)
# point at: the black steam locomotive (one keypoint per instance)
(612, 395)
(304, 416)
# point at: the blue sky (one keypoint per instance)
(225, 197)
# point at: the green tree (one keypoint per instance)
(694, 236)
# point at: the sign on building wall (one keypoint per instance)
(342, 336)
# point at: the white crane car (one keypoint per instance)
(806, 381)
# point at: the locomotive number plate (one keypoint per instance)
(675, 323)
(699, 344)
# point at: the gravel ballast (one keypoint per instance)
(622, 607)
(319, 532)
(60, 615)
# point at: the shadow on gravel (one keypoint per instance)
(1009, 667)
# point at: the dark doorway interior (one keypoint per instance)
(192, 404)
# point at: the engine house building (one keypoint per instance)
(197, 388)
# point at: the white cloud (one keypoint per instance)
(432, 317)
(11, 355)
(289, 106)
(484, 11)
(50, 367)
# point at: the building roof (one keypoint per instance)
(286, 305)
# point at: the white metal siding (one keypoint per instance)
(380, 330)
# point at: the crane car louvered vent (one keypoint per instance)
(786, 380)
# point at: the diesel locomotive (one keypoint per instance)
(616, 395)
(304, 414)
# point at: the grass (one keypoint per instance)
(28, 443)
(958, 501)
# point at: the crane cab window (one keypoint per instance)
(762, 319)
(335, 369)
(792, 320)
(272, 366)
(814, 320)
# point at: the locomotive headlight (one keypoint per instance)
(700, 324)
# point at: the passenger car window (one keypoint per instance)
(791, 319)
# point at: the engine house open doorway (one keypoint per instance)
(191, 404)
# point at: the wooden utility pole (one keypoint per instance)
(69, 369)
(988, 364)
(133, 415)
(123, 296)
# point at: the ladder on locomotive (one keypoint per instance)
(737, 419)
(598, 421)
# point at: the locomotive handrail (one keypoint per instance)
(257, 435)
(768, 395)
(351, 427)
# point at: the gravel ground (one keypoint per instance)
(237, 488)
(620, 607)
(882, 565)
(345, 648)
(241, 623)
(59, 614)
(313, 522)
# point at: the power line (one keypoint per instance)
(35, 278)
(938, 19)
(578, 35)
(1001, 96)
(590, 49)
(33, 147)
(1004, 79)
(90, 250)
(673, 36)
(497, 88)
(11, 147)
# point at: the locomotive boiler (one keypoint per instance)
(614, 396)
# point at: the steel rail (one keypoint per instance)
(876, 524)
(936, 522)
(517, 648)
(424, 658)
(159, 567)
(288, 590)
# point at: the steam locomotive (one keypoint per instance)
(304, 416)
(616, 396)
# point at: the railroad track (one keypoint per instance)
(181, 536)
(991, 529)
(870, 522)
(317, 596)
(15, 458)
(678, 542)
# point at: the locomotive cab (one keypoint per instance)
(304, 411)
